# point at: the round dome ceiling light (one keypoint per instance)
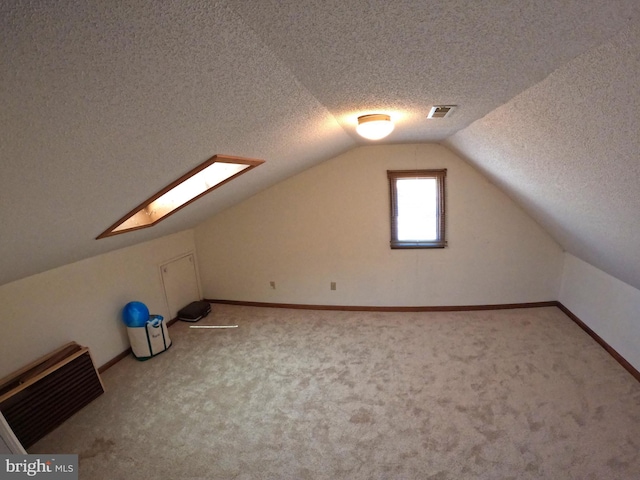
(375, 126)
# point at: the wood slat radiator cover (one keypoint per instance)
(35, 404)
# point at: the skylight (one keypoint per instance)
(212, 174)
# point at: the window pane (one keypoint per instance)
(417, 208)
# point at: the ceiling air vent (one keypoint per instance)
(441, 111)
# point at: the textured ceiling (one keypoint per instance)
(104, 103)
(568, 150)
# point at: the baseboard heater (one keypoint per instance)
(39, 397)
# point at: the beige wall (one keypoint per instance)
(331, 224)
(610, 307)
(82, 302)
(327, 224)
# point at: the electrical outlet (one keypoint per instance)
(333, 285)
(273, 285)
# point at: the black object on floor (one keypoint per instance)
(194, 311)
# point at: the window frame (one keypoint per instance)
(147, 214)
(440, 176)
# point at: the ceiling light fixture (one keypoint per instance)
(375, 126)
(206, 177)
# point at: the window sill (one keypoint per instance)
(404, 245)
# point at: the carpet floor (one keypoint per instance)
(296, 394)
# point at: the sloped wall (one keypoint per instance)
(82, 302)
(331, 224)
(610, 307)
(559, 151)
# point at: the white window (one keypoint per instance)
(417, 208)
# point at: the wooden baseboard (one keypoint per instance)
(172, 321)
(619, 358)
(364, 308)
(452, 308)
(114, 360)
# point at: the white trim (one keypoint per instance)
(9, 438)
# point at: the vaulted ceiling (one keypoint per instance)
(105, 103)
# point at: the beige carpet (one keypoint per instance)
(294, 394)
